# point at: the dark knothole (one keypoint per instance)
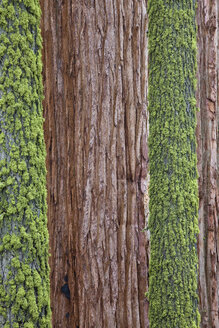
(66, 291)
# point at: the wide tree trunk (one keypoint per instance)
(207, 133)
(24, 271)
(95, 77)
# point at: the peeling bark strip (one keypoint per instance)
(173, 218)
(207, 133)
(24, 271)
(95, 109)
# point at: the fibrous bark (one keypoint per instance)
(173, 191)
(207, 133)
(24, 271)
(95, 110)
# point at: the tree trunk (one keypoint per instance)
(173, 191)
(24, 271)
(207, 133)
(95, 109)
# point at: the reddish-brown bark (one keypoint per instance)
(207, 133)
(95, 129)
(95, 93)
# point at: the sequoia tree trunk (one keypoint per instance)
(95, 77)
(207, 133)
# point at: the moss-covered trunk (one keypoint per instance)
(24, 271)
(173, 174)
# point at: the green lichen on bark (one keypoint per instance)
(173, 190)
(24, 270)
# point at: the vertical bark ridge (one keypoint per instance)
(95, 110)
(207, 134)
(58, 134)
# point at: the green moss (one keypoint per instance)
(173, 189)
(24, 291)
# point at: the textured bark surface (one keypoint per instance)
(173, 192)
(207, 133)
(24, 271)
(95, 109)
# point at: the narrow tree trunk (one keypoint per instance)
(207, 162)
(95, 110)
(24, 272)
(173, 221)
